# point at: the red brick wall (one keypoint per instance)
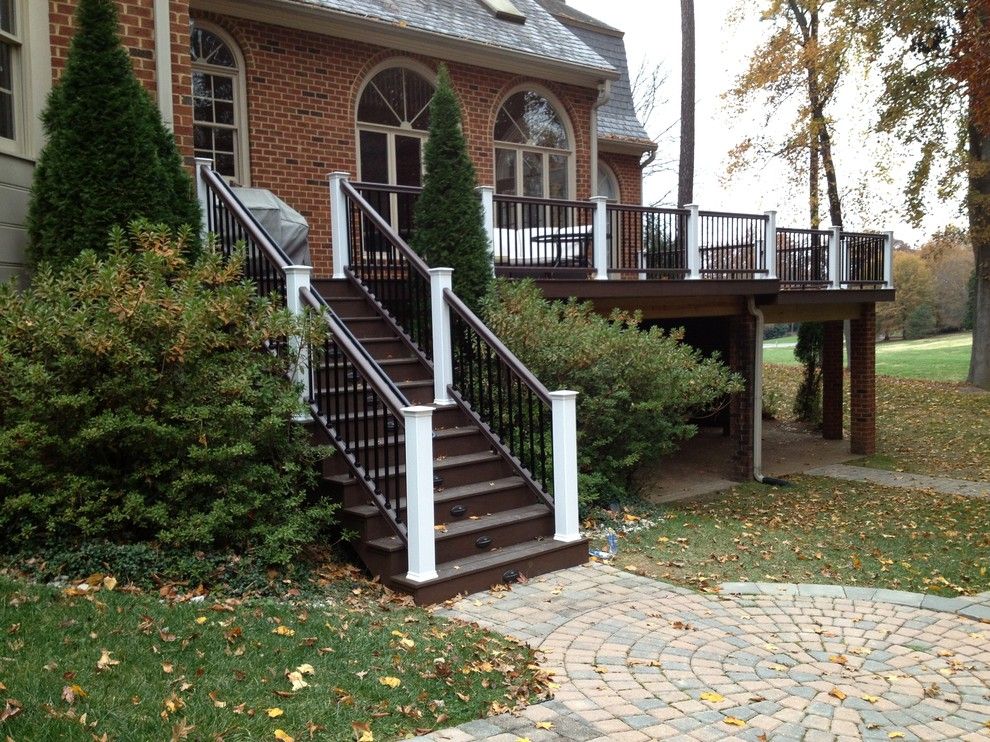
(629, 175)
(862, 383)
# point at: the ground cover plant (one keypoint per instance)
(96, 661)
(139, 405)
(820, 531)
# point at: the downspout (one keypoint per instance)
(604, 95)
(758, 400)
(651, 155)
(163, 62)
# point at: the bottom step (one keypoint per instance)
(480, 571)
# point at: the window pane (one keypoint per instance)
(532, 174)
(607, 186)
(505, 171)
(558, 176)
(418, 95)
(223, 140)
(374, 157)
(225, 165)
(223, 88)
(372, 109)
(203, 110)
(6, 93)
(408, 161)
(224, 112)
(202, 137)
(529, 118)
(208, 48)
(7, 16)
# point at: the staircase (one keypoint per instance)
(492, 525)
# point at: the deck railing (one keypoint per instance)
(647, 240)
(534, 234)
(732, 245)
(803, 257)
(862, 257)
(396, 204)
(392, 274)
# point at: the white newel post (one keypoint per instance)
(834, 258)
(693, 251)
(202, 194)
(443, 359)
(338, 224)
(297, 280)
(771, 240)
(888, 260)
(487, 196)
(599, 233)
(563, 405)
(421, 545)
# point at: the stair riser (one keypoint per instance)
(374, 327)
(461, 444)
(387, 349)
(412, 371)
(452, 548)
(332, 391)
(352, 493)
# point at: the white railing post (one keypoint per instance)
(834, 258)
(297, 280)
(563, 405)
(338, 224)
(202, 195)
(599, 233)
(693, 250)
(443, 359)
(771, 240)
(888, 260)
(487, 196)
(421, 544)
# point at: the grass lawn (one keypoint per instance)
(942, 358)
(821, 531)
(360, 664)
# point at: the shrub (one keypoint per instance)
(138, 405)
(809, 349)
(449, 228)
(108, 158)
(638, 389)
(920, 323)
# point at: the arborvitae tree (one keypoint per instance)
(449, 226)
(809, 348)
(108, 159)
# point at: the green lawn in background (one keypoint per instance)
(941, 358)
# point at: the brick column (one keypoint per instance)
(742, 354)
(863, 398)
(832, 380)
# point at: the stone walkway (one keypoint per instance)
(637, 659)
(943, 485)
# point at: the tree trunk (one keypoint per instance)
(685, 179)
(978, 205)
(831, 182)
(814, 200)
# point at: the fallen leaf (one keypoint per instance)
(281, 736)
(712, 697)
(306, 669)
(105, 662)
(544, 725)
(896, 735)
(297, 681)
(274, 713)
(362, 731)
(836, 693)
(201, 620)
(110, 583)
(168, 668)
(390, 681)
(283, 631)
(870, 699)
(839, 659)
(11, 709)
(733, 721)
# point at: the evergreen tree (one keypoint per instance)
(108, 159)
(449, 226)
(809, 351)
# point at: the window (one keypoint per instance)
(532, 148)
(10, 49)
(608, 184)
(219, 101)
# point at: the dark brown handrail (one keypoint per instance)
(507, 198)
(219, 186)
(734, 215)
(383, 226)
(646, 209)
(507, 356)
(386, 187)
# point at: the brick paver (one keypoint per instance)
(905, 480)
(637, 659)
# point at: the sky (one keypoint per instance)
(652, 36)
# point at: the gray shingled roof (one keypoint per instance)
(541, 34)
(562, 11)
(617, 119)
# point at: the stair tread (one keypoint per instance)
(441, 463)
(440, 434)
(460, 492)
(465, 527)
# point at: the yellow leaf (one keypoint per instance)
(839, 659)
(544, 725)
(201, 620)
(712, 697)
(870, 699)
(390, 681)
(283, 631)
(281, 736)
(109, 582)
(779, 668)
(274, 713)
(733, 721)
(407, 643)
(362, 731)
(896, 735)
(306, 669)
(105, 663)
(836, 693)
(297, 681)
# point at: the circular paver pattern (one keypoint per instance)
(638, 660)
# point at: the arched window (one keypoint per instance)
(608, 184)
(533, 149)
(393, 119)
(219, 101)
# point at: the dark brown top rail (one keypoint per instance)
(733, 215)
(258, 233)
(375, 218)
(559, 202)
(875, 235)
(639, 208)
(507, 356)
(802, 230)
(386, 187)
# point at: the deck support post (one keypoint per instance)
(202, 195)
(421, 539)
(338, 224)
(770, 253)
(834, 258)
(443, 362)
(565, 481)
(487, 195)
(297, 280)
(832, 380)
(693, 250)
(888, 260)
(599, 233)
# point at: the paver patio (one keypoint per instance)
(633, 657)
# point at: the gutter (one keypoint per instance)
(758, 400)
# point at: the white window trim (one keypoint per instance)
(561, 112)
(32, 79)
(241, 123)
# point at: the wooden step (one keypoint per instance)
(417, 391)
(386, 346)
(452, 471)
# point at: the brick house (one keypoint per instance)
(278, 94)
